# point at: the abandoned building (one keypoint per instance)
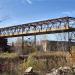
(47, 45)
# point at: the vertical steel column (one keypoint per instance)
(35, 37)
(35, 40)
(22, 44)
(22, 40)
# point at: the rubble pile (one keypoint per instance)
(63, 71)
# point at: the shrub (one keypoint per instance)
(31, 61)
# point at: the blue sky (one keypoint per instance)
(13, 12)
(23, 11)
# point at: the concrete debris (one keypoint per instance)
(63, 71)
(29, 69)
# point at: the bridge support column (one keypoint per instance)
(22, 43)
(35, 40)
(35, 37)
(69, 43)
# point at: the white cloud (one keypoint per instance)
(68, 13)
(29, 1)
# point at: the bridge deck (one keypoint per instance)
(39, 32)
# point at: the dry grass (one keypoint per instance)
(55, 60)
(58, 53)
(71, 58)
(65, 57)
(8, 55)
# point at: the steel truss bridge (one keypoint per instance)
(58, 25)
(50, 26)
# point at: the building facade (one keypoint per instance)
(47, 45)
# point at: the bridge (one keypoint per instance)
(50, 26)
(58, 25)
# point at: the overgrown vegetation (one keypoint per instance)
(36, 64)
(8, 55)
(40, 61)
(52, 60)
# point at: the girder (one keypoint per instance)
(58, 25)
